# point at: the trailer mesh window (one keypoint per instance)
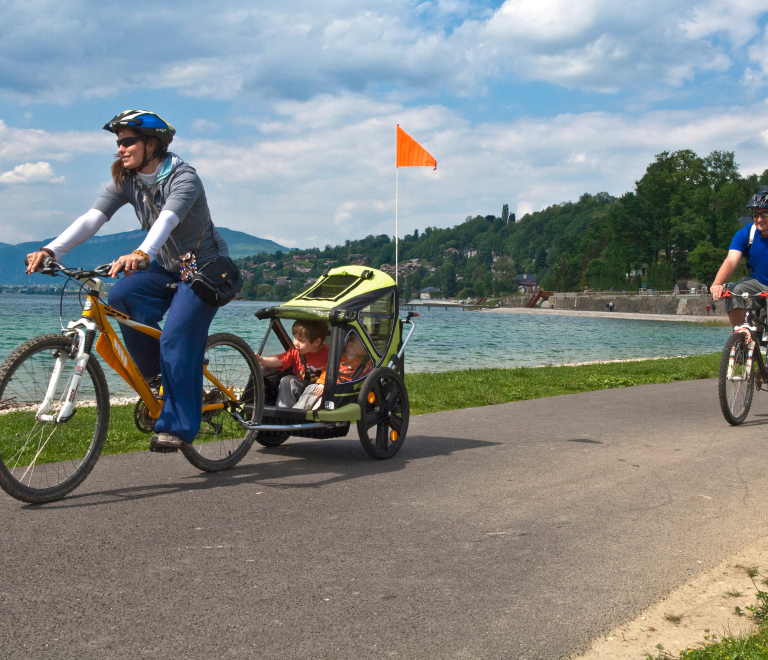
(377, 320)
(332, 287)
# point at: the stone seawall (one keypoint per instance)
(670, 304)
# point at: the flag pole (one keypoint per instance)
(397, 184)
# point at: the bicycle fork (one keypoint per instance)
(86, 331)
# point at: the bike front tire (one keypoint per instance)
(45, 461)
(736, 385)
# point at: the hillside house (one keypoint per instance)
(527, 283)
(428, 293)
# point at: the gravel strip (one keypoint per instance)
(607, 315)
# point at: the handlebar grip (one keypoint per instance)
(46, 262)
(141, 265)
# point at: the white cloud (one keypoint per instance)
(27, 143)
(737, 18)
(522, 209)
(308, 182)
(205, 126)
(280, 240)
(74, 49)
(29, 173)
(336, 177)
(549, 21)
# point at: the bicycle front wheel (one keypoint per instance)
(736, 383)
(222, 443)
(44, 461)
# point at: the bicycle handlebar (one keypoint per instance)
(727, 294)
(52, 267)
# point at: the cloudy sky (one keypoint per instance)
(288, 110)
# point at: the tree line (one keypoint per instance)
(676, 224)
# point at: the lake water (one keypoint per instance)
(443, 340)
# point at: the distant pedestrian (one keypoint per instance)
(610, 306)
(707, 310)
(713, 308)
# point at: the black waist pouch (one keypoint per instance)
(217, 282)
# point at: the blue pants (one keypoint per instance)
(178, 356)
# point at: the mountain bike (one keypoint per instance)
(55, 404)
(742, 365)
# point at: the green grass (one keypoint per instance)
(123, 436)
(746, 646)
(69, 442)
(434, 392)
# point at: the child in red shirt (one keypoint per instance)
(355, 363)
(307, 359)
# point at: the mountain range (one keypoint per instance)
(103, 249)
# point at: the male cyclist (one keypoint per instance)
(752, 241)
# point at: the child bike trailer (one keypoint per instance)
(359, 305)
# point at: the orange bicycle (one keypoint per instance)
(55, 405)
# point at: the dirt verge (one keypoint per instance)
(706, 605)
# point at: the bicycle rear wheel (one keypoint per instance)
(44, 461)
(222, 443)
(736, 383)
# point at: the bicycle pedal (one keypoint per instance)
(163, 450)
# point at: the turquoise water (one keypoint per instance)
(443, 340)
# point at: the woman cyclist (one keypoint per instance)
(170, 203)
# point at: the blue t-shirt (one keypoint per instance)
(758, 252)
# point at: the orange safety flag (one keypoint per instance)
(410, 153)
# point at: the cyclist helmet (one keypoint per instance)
(145, 122)
(758, 200)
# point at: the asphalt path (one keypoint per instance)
(520, 530)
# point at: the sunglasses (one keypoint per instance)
(129, 141)
(762, 214)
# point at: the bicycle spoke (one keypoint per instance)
(230, 362)
(43, 461)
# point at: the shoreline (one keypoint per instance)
(629, 316)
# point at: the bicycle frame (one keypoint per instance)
(96, 315)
